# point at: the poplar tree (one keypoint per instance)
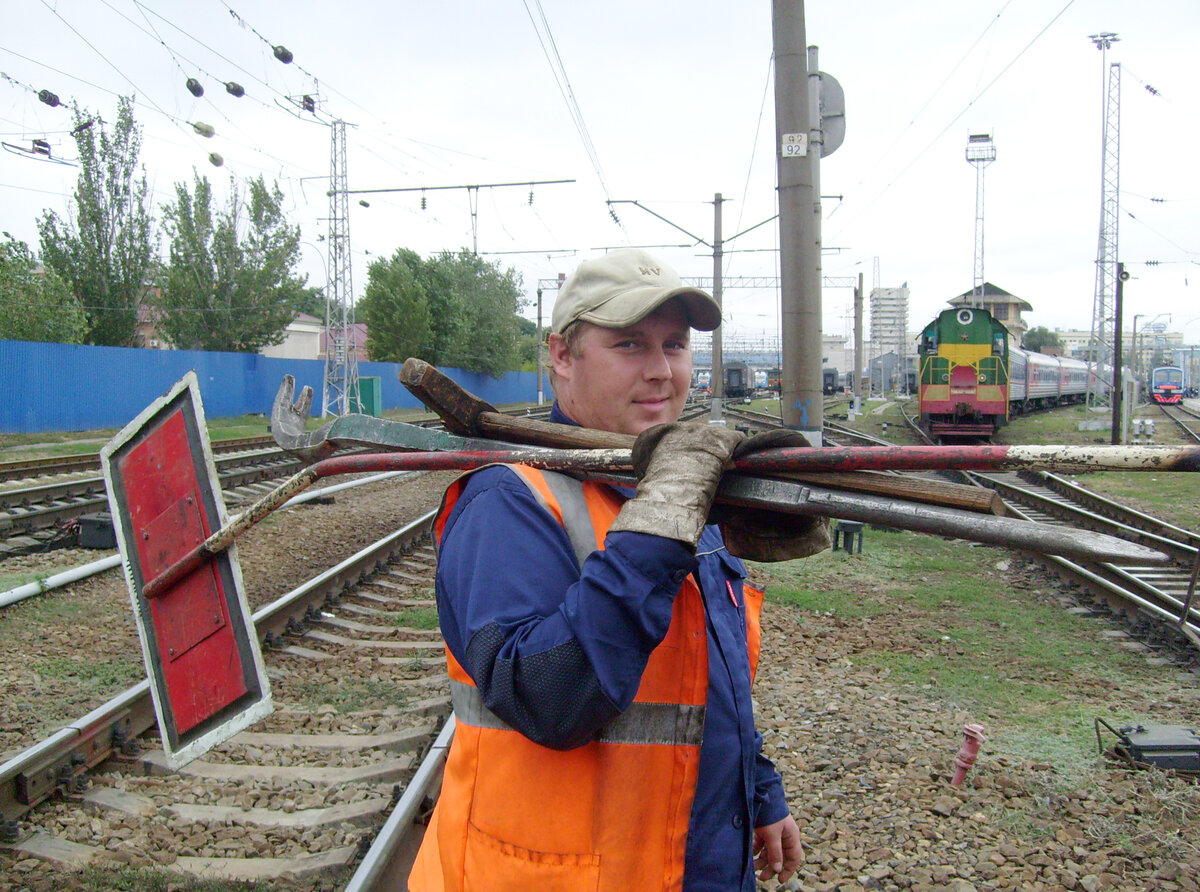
(106, 250)
(229, 284)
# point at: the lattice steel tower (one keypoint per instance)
(341, 354)
(980, 153)
(1100, 353)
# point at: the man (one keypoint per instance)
(600, 647)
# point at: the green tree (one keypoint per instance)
(229, 285)
(107, 252)
(1039, 337)
(395, 308)
(311, 300)
(35, 304)
(476, 304)
(453, 309)
(527, 345)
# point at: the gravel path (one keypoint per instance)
(867, 761)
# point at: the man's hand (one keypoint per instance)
(760, 535)
(679, 466)
(777, 850)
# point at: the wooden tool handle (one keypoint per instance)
(465, 414)
(535, 432)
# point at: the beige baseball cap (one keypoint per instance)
(625, 286)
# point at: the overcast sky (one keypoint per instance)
(677, 100)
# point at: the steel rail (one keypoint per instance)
(1138, 586)
(35, 773)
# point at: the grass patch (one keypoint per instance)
(350, 697)
(942, 617)
(91, 674)
(129, 879)
(52, 609)
(16, 580)
(416, 618)
(1173, 497)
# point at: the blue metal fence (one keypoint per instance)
(64, 387)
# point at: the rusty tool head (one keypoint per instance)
(288, 422)
(458, 408)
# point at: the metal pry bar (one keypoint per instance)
(612, 465)
(288, 423)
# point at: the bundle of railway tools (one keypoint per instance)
(206, 671)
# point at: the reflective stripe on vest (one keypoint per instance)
(576, 520)
(677, 724)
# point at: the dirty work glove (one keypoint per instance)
(761, 535)
(679, 466)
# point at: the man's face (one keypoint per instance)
(626, 379)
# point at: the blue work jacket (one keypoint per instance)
(558, 650)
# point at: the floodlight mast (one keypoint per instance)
(1101, 345)
(980, 153)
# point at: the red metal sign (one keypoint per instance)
(198, 639)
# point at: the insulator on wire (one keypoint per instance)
(283, 54)
(215, 159)
(309, 104)
(51, 99)
(194, 87)
(205, 130)
(613, 214)
(233, 88)
(531, 197)
(422, 201)
(364, 202)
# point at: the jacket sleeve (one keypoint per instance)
(555, 650)
(770, 801)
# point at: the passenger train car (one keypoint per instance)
(1166, 384)
(739, 380)
(830, 383)
(972, 379)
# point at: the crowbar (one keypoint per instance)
(614, 465)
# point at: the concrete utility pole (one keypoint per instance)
(798, 135)
(858, 344)
(544, 283)
(718, 362)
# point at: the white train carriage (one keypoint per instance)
(1037, 380)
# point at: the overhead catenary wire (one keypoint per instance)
(917, 156)
(550, 50)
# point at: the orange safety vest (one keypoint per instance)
(610, 816)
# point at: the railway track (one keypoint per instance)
(312, 792)
(42, 499)
(1154, 600)
(1185, 420)
(31, 517)
(26, 468)
(304, 793)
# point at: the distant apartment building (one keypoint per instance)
(1155, 345)
(889, 330)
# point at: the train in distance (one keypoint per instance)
(1166, 385)
(973, 378)
(742, 381)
